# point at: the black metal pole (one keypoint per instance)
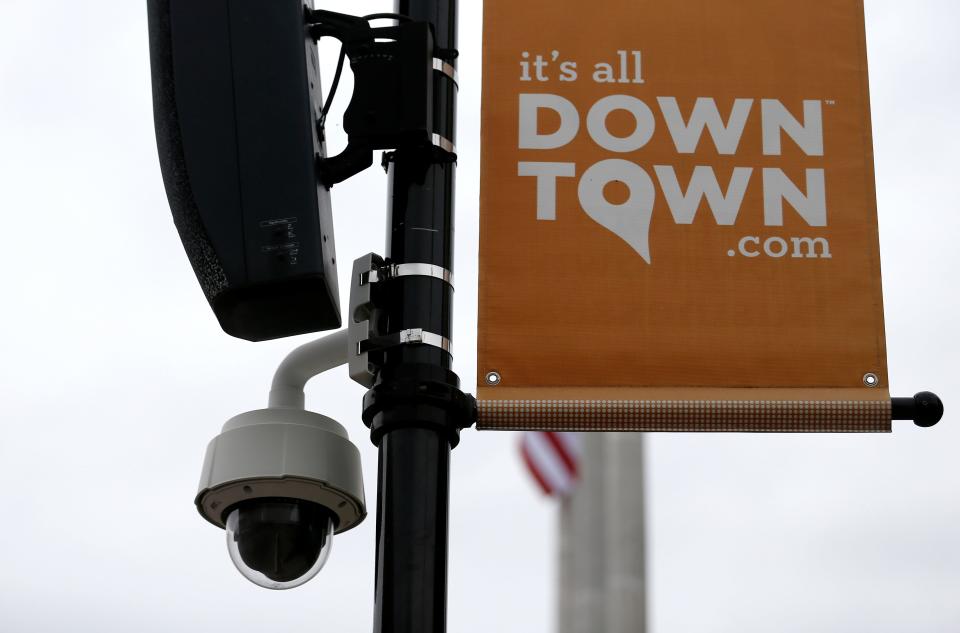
(416, 409)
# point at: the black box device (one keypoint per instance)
(236, 90)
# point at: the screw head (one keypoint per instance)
(493, 379)
(871, 380)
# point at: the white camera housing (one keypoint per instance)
(282, 453)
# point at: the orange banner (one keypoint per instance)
(678, 216)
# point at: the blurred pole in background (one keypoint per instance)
(602, 535)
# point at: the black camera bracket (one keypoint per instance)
(392, 104)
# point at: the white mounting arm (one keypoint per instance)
(304, 363)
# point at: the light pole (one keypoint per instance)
(416, 409)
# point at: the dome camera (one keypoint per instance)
(281, 482)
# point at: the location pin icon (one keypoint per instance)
(630, 220)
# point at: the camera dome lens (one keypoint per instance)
(279, 543)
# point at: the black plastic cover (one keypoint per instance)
(236, 90)
(392, 102)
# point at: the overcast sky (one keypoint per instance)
(115, 375)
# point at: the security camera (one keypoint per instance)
(281, 482)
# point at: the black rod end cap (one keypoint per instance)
(925, 409)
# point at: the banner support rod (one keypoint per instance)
(925, 409)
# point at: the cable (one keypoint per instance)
(328, 102)
(388, 16)
(333, 88)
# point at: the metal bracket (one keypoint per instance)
(447, 69)
(392, 103)
(414, 336)
(365, 317)
(443, 143)
(362, 319)
(393, 271)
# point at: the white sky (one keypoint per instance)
(115, 375)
